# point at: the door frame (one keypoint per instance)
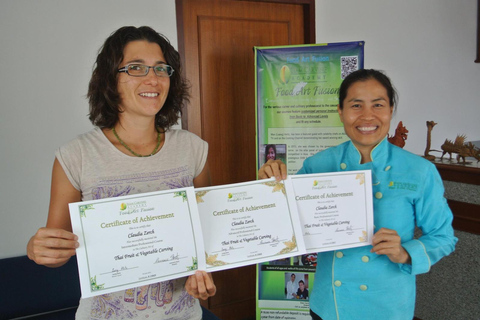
(309, 32)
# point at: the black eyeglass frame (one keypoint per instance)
(169, 69)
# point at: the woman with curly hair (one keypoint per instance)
(136, 94)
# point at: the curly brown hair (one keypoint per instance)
(103, 95)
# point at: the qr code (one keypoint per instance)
(349, 64)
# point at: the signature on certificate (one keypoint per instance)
(348, 229)
(119, 270)
(173, 257)
(114, 270)
(272, 240)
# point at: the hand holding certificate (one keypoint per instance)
(137, 240)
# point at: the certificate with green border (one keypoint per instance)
(336, 209)
(136, 240)
(248, 223)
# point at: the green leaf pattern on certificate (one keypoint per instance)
(199, 195)
(94, 285)
(364, 238)
(182, 194)
(277, 186)
(361, 178)
(194, 265)
(289, 245)
(83, 208)
(212, 260)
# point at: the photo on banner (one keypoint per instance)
(283, 287)
(296, 110)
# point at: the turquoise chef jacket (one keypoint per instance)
(407, 191)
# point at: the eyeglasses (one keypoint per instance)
(141, 70)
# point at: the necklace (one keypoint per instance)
(133, 152)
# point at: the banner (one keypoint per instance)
(296, 110)
(297, 98)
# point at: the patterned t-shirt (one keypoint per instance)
(99, 170)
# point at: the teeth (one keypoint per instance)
(150, 95)
(367, 128)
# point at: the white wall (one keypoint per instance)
(48, 49)
(427, 48)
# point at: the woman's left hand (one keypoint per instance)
(200, 285)
(387, 241)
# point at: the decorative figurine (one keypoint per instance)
(400, 136)
(461, 148)
(430, 125)
(453, 147)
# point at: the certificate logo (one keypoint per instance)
(322, 184)
(133, 207)
(238, 196)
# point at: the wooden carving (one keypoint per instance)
(400, 136)
(461, 148)
(430, 125)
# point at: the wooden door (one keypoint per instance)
(216, 40)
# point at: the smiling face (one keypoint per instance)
(366, 115)
(301, 285)
(142, 96)
(271, 154)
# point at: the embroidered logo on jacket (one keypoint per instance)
(402, 186)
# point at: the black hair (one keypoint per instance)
(364, 75)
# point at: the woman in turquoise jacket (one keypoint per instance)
(378, 281)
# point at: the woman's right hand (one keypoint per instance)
(273, 168)
(55, 244)
(52, 247)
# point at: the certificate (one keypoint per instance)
(336, 209)
(249, 223)
(136, 240)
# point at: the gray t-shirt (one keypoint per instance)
(99, 170)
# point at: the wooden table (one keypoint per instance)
(466, 215)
